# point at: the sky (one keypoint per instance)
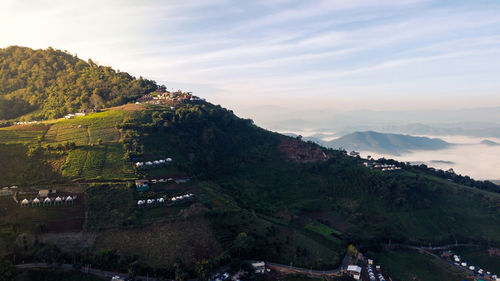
(245, 55)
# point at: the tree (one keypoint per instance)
(351, 249)
(8, 271)
(133, 269)
(202, 269)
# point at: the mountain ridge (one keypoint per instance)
(389, 143)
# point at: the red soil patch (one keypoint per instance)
(299, 151)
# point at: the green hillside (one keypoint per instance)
(385, 143)
(258, 195)
(51, 83)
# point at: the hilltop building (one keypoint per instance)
(354, 271)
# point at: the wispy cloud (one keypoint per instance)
(235, 51)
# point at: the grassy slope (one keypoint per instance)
(88, 161)
(411, 265)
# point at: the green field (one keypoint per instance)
(411, 265)
(22, 134)
(108, 206)
(18, 168)
(87, 130)
(322, 229)
(100, 161)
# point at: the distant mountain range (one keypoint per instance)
(386, 143)
(490, 143)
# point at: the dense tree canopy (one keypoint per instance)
(55, 83)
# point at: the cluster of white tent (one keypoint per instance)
(458, 261)
(73, 115)
(176, 180)
(161, 200)
(153, 164)
(181, 197)
(26, 123)
(162, 180)
(48, 201)
(151, 202)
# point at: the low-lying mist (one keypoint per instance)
(469, 157)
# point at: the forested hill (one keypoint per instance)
(386, 143)
(51, 83)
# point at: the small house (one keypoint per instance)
(43, 193)
(259, 267)
(354, 271)
(142, 185)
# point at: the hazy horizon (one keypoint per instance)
(318, 55)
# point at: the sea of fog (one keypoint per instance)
(468, 157)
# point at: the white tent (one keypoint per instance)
(25, 202)
(58, 199)
(47, 201)
(36, 201)
(69, 199)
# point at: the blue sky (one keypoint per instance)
(338, 55)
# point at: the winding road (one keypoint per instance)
(93, 271)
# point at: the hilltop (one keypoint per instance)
(51, 83)
(393, 144)
(257, 195)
